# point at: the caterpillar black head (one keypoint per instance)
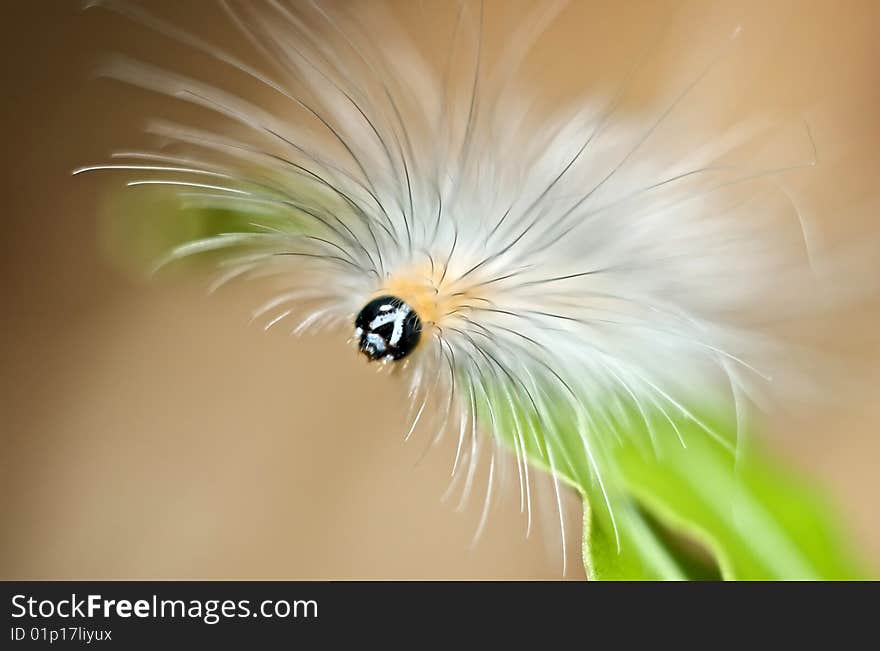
(387, 328)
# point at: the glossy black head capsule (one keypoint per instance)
(387, 328)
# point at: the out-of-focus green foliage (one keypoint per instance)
(138, 228)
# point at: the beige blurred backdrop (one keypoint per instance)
(149, 432)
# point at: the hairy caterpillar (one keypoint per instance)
(560, 267)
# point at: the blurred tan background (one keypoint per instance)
(149, 432)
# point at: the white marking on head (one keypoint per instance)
(398, 315)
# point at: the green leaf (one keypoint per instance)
(678, 494)
(757, 519)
